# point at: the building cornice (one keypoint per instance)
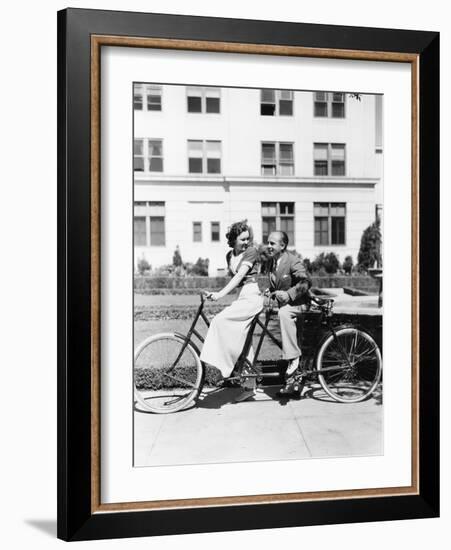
(324, 181)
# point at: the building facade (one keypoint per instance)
(309, 163)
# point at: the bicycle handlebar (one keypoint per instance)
(204, 295)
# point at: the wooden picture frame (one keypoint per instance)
(81, 35)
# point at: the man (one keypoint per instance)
(290, 285)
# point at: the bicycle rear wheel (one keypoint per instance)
(349, 365)
(168, 374)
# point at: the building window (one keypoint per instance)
(149, 223)
(329, 159)
(197, 232)
(278, 216)
(277, 159)
(148, 155)
(330, 223)
(276, 102)
(157, 226)
(203, 100)
(139, 231)
(204, 157)
(147, 97)
(215, 232)
(138, 155)
(329, 104)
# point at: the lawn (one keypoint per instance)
(143, 329)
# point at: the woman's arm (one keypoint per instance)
(232, 284)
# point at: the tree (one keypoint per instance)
(143, 266)
(370, 247)
(177, 257)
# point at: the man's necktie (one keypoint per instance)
(272, 275)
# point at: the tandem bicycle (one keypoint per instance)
(346, 360)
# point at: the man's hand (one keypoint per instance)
(214, 296)
(282, 297)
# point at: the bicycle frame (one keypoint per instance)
(243, 360)
(324, 322)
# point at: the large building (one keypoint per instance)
(308, 163)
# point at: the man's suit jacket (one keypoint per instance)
(290, 276)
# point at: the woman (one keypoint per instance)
(227, 333)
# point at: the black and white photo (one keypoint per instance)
(258, 264)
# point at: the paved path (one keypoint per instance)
(218, 430)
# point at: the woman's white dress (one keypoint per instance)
(228, 330)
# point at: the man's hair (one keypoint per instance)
(283, 237)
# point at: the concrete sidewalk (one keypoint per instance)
(218, 430)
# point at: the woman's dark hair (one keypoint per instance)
(236, 229)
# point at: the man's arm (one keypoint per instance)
(303, 282)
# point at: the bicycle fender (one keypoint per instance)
(328, 332)
(191, 343)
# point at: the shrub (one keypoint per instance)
(296, 253)
(370, 247)
(307, 265)
(143, 266)
(331, 263)
(155, 379)
(348, 265)
(317, 263)
(325, 263)
(199, 268)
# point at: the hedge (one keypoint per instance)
(191, 285)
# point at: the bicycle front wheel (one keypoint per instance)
(349, 365)
(168, 373)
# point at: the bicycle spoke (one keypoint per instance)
(349, 365)
(365, 353)
(167, 373)
(361, 343)
(175, 400)
(177, 379)
(353, 346)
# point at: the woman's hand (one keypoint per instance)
(214, 296)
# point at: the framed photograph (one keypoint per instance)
(248, 274)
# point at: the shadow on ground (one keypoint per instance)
(46, 526)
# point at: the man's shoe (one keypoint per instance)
(293, 365)
(291, 389)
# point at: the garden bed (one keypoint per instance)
(192, 285)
